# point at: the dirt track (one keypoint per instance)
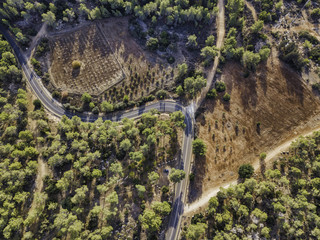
(275, 97)
(271, 155)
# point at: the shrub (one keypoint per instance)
(171, 59)
(199, 148)
(245, 171)
(226, 97)
(152, 44)
(76, 64)
(212, 94)
(37, 104)
(161, 94)
(220, 86)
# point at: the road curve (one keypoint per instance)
(57, 109)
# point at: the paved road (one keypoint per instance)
(163, 106)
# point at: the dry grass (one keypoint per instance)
(88, 48)
(275, 96)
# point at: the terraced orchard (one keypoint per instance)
(97, 68)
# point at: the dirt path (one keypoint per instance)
(42, 172)
(220, 40)
(42, 32)
(203, 201)
(253, 11)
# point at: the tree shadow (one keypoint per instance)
(75, 72)
(195, 186)
(294, 82)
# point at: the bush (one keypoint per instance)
(76, 64)
(226, 97)
(245, 171)
(171, 59)
(37, 104)
(161, 94)
(220, 86)
(199, 148)
(212, 94)
(152, 44)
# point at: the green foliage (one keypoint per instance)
(86, 98)
(257, 26)
(152, 44)
(193, 85)
(245, 171)
(289, 53)
(76, 64)
(192, 42)
(264, 53)
(150, 220)
(199, 148)
(106, 107)
(220, 86)
(250, 60)
(37, 104)
(176, 175)
(212, 94)
(196, 231)
(153, 177)
(161, 208)
(226, 97)
(49, 18)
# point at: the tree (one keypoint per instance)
(250, 60)
(245, 171)
(226, 97)
(141, 190)
(210, 41)
(264, 53)
(179, 90)
(153, 177)
(196, 231)
(86, 98)
(177, 118)
(161, 208)
(199, 148)
(152, 44)
(209, 53)
(49, 18)
(37, 104)
(192, 42)
(106, 107)
(212, 94)
(176, 175)
(257, 26)
(182, 70)
(150, 220)
(220, 86)
(193, 85)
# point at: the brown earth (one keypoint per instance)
(99, 68)
(275, 96)
(109, 57)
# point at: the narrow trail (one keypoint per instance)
(253, 11)
(221, 28)
(42, 172)
(203, 201)
(42, 32)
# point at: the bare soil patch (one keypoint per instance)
(275, 96)
(99, 68)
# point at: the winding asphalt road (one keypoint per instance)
(57, 109)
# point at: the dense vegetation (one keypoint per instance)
(282, 202)
(83, 166)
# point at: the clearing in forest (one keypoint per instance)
(82, 61)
